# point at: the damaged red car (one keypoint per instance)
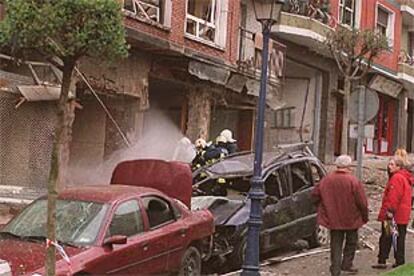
(116, 229)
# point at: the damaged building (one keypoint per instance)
(197, 61)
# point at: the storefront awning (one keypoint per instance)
(385, 86)
(34, 93)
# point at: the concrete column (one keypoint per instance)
(402, 119)
(328, 113)
(199, 114)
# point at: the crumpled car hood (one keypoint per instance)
(172, 178)
(24, 256)
(225, 211)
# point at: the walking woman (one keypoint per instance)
(396, 207)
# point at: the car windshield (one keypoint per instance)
(78, 222)
(239, 165)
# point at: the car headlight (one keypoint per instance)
(4, 268)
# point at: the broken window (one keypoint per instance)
(276, 185)
(201, 21)
(158, 211)
(347, 12)
(158, 11)
(127, 220)
(317, 173)
(300, 177)
(206, 20)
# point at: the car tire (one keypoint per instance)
(191, 263)
(320, 237)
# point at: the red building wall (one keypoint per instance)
(176, 33)
(388, 59)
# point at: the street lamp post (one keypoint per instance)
(267, 12)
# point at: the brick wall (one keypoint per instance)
(176, 36)
(388, 59)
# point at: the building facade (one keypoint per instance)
(197, 62)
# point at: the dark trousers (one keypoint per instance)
(342, 257)
(385, 244)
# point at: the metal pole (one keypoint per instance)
(361, 126)
(256, 193)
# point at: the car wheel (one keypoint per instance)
(320, 237)
(191, 263)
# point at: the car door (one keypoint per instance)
(166, 224)
(277, 212)
(301, 183)
(134, 256)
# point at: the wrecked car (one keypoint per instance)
(115, 229)
(289, 212)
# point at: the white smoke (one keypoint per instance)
(161, 139)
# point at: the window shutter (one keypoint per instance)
(221, 26)
(167, 13)
(382, 17)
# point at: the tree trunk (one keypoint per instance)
(62, 134)
(345, 116)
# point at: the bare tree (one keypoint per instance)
(62, 32)
(354, 51)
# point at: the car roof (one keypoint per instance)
(103, 193)
(242, 164)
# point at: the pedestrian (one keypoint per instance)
(395, 207)
(402, 154)
(230, 144)
(343, 209)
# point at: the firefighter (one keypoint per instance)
(230, 143)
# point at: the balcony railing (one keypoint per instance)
(409, 3)
(316, 9)
(406, 58)
(145, 10)
(250, 55)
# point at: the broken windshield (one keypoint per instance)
(78, 222)
(239, 165)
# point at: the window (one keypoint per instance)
(127, 220)
(158, 211)
(300, 176)
(316, 172)
(276, 184)
(385, 23)
(158, 11)
(206, 20)
(284, 118)
(347, 12)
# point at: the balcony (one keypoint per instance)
(407, 10)
(305, 23)
(406, 69)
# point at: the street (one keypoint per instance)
(318, 264)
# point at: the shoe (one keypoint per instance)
(379, 266)
(350, 270)
(396, 265)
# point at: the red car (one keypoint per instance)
(116, 229)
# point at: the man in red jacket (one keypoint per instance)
(342, 208)
(396, 205)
